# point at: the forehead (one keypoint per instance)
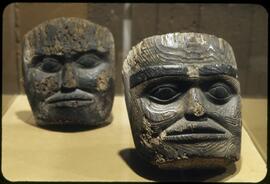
(185, 54)
(66, 35)
(182, 49)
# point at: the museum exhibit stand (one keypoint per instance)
(31, 153)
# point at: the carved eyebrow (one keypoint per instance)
(156, 71)
(218, 69)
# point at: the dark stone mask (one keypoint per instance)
(68, 68)
(183, 100)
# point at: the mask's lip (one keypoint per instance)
(77, 95)
(196, 131)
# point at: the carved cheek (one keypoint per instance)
(44, 85)
(229, 109)
(232, 107)
(95, 79)
(232, 111)
(228, 115)
(103, 80)
(161, 112)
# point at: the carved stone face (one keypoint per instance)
(68, 72)
(183, 100)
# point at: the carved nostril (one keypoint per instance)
(192, 117)
(91, 100)
(67, 90)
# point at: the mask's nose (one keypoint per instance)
(68, 78)
(194, 110)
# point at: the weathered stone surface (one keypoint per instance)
(68, 68)
(183, 99)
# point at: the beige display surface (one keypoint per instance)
(30, 153)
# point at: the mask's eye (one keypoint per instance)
(219, 93)
(50, 65)
(89, 61)
(165, 93)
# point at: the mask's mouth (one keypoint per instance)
(71, 99)
(195, 131)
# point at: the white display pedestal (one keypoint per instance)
(30, 153)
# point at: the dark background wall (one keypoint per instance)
(243, 26)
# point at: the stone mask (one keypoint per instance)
(183, 100)
(68, 68)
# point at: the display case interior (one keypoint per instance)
(108, 153)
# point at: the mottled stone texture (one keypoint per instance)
(68, 69)
(183, 99)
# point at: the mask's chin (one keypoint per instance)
(77, 107)
(196, 162)
(189, 144)
(70, 112)
(170, 155)
(71, 104)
